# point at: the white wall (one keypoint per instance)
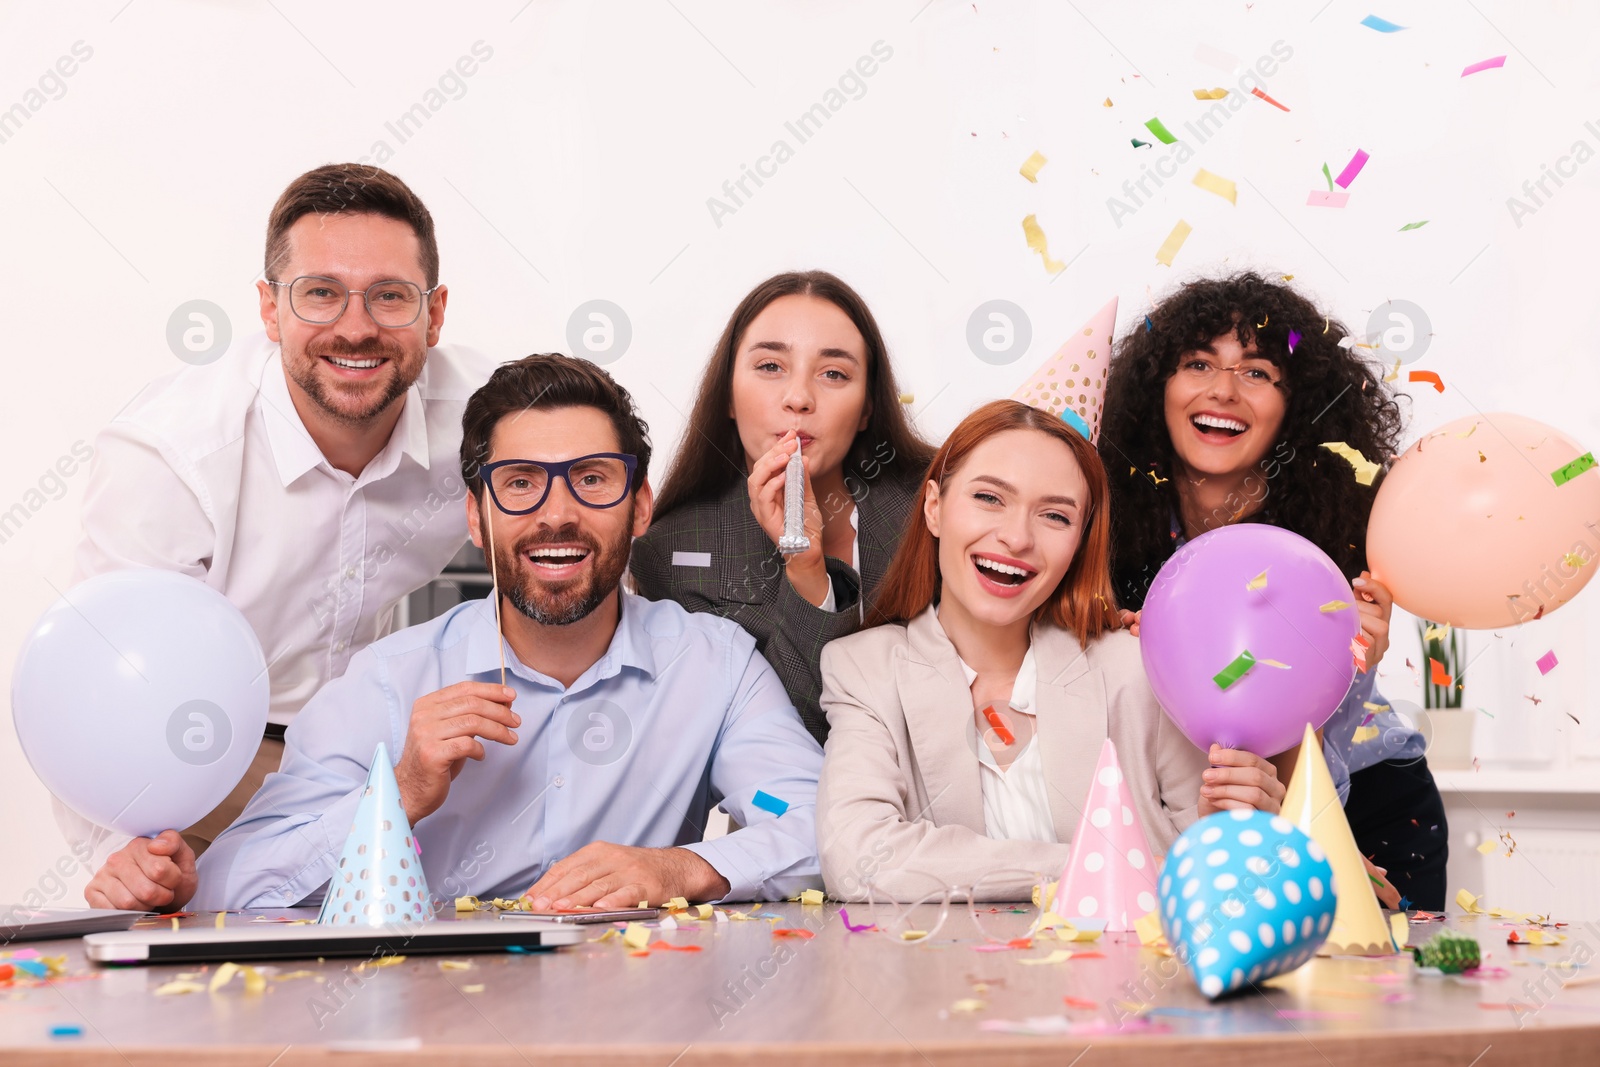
(578, 162)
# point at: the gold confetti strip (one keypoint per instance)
(1258, 582)
(1210, 94)
(1214, 183)
(811, 896)
(176, 987)
(1169, 247)
(472, 989)
(1333, 605)
(704, 910)
(1363, 734)
(968, 1005)
(636, 936)
(381, 961)
(1059, 955)
(1038, 242)
(1032, 166)
(677, 904)
(1365, 469)
(455, 965)
(907, 398)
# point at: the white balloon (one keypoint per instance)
(140, 698)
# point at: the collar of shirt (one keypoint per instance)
(1023, 689)
(294, 452)
(631, 646)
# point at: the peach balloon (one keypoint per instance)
(1471, 528)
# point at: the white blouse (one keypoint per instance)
(1016, 801)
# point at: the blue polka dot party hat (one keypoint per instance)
(379, 877)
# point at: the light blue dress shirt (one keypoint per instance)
(679, 715)
(1394, 741)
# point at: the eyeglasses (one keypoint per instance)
(1199, 371)
(914, 906)
(520, 486)
(318, 300)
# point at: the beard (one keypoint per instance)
(567, 602)
(353, 403)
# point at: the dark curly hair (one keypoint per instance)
(1332, 394)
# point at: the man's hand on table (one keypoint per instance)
(146, 874)
(604, 875)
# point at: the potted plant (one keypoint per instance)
(1450, 727)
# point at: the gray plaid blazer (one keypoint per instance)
(713, 556)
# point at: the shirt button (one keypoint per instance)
(339, 647)
(349, 572)
(560, 781)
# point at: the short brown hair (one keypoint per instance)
(542, 382)
(1082, 603)
(360, 190)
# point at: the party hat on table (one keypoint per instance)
(379, 878)
(1072, 383)
(1312, 804)
(1111, 874)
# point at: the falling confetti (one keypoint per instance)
(1381, 25)
(1160, 131)
(1482, 65)
(1213, 183)
(1365, 469)
(1413, 226)
(1032, 166)
(1169, 247)
(1038, 242)
(1563, 475)
(1318, 198)
(1431, 377)
(1547, 662)
(1263, 96)
(1210, 94)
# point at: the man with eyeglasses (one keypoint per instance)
(601, 729)
(308, 475)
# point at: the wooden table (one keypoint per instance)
(836, 997)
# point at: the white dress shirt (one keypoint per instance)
(1016, 801)
(211, 473)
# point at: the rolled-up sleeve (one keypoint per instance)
(763, 747)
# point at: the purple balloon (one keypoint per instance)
(1200, 616)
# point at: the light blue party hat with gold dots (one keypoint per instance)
(379, 878)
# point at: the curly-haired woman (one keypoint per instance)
(1215, 412)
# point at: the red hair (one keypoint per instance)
(1082, 603)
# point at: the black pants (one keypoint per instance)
(1397, 817)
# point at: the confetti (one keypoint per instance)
(1337, 605)
(1210, 94)
(1488, 847)
(1213, 183)
(1059, 955)
(1563, 475)
(793, 932)
(1328, 174)
(1258, 582)
(908, 398)
(1431, 377)
(1482, 65)
(1169, 247)
(1040, 244)
(1373, 22)
(767, 802)
(1547, 662)
(221, 915)
(67, 1030)
(855, 928)
(1160, 131)
(1365, 469)
(1364, 734)
(913, 935)
(997, 723)
(1294, 339)
(968, 1005)
(175, 988)
(1318, 198)
(1263, 96)
(1032, 165)
(1235, 670)
(1437, 674)
(811, 896)
(472, 989)
(456, 965)
(1140, 144)
(1351, 169)
(1413, 226)
(635, 936)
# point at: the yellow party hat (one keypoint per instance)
(1072, 383)
(1312, 804)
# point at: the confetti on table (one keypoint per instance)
(913, 935)
(472, 989)
(1160, 131)
(1213, 183)
(1318, 198)
(1032, 165)
(1547, 662)
(793, 932)
(1365, 469)
(1040, 244)
(811, 896)
(855, 928)
(1487, 64)
(1263, 96)
(1258, 582)
(1413, 226)
(66, 1030)
(1235, 670)
(1060, 955)
(635, 936)
(455, 965)
(1169, 247)
(767, 802)
(1351, 169)
(221, 915)
(1563, 475)
(968, 1005)
(1210, 94)
(1373, 22)
(177, 987)
(1431, 377)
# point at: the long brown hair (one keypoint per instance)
(710, 457)
(1082, 603)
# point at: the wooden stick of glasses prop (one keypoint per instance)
(794, 537)
(494, 577)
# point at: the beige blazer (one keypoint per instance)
(900, 800)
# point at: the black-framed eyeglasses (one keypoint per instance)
(394, 304)
(520, 486)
